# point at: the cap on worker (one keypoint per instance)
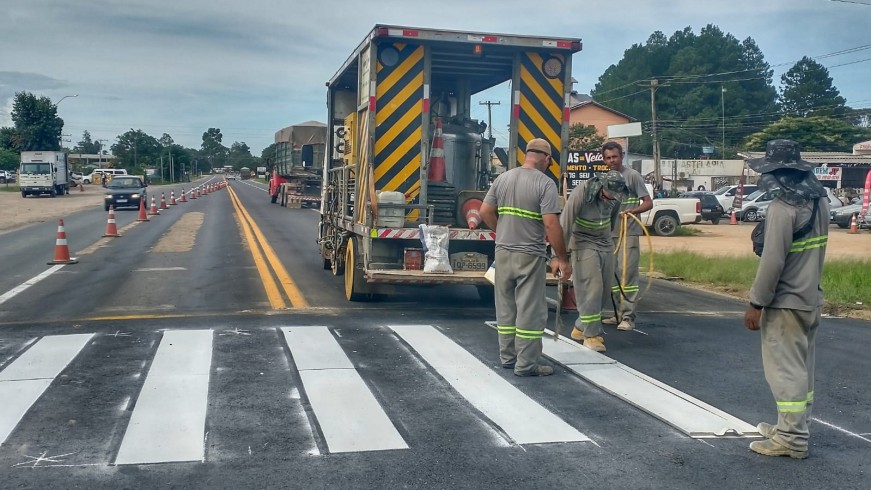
(780, 154)
(539, 144)
(615, 182)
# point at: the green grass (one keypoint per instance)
(687, 231)
(845, 282)
(9, 188)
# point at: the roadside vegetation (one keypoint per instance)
(846, 283)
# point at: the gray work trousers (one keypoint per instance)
(521, 308)
(625, 302)
(788, 339)
(590, 272)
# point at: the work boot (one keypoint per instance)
(508, 365)
(610, 320)
(595, 343)
(538, 370)
(767, 430)
(626, 325)
(771, 448)
(578, 334)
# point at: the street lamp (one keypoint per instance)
(64, 97)
(723, 105)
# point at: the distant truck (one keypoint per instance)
(298, 164)
(245, 173)
(261, 172)
(44, 172)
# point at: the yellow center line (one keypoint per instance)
(290, 289)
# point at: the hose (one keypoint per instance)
(621, 244)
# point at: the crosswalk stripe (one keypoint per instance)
(168, 421)
(690, 415)
(520, 417)
(27, 378)
(349, 416)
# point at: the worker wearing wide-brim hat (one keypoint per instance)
(786, 298)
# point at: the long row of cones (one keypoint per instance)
(62, 249)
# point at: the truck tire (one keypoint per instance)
(355, 283)
(665, 225)
(715, 221)
(274, 198)
(23, 194)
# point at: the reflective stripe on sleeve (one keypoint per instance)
(520, 213)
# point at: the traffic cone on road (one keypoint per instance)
(163, 201)
(569, 298)
(153, 211)
(733, 220)
(61, 249)
(142, 215)
(193, 193)
(172, 198)
(854, 225)
(183, 198)
(111, 227)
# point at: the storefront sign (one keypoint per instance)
(580, 166)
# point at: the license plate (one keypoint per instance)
(121, 200)
(469, 261)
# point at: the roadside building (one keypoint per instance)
(837, 170)
(585, 110)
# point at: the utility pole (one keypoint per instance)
(489, 105)
(723, 105)
(653, 85)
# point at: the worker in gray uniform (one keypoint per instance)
(786, 298)
(624, 293)
(587, 219)
(522, 206)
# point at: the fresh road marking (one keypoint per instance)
(30, 282)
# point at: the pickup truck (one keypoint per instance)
(669, 213)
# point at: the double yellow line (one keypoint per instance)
(262, 253)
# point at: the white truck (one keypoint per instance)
(44, 172)
(668, 214)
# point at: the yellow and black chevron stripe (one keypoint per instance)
(398, 120)
(542, 100)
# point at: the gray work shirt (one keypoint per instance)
(521, 196)
(637, 190)
(790, 272)
(587, 225)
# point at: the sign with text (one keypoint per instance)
(580, 166)
(825, 172)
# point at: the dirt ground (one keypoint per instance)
(714, 240)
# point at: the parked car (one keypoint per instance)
(842, 215)
(125, 191)
(711, 209)
(7, 176)
(835, 205)
(750, 206)
(112, 172)
(726, 194)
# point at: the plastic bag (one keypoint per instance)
(437, 258)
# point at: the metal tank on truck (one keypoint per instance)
(297, 165)
(44, 172)
(403, 150)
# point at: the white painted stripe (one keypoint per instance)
(30, 282)
(350, 417)
(160, 269)
(690, 415)
(520, 417)
(169, 419)
(27, 378)
(841, 429)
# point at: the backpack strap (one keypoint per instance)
(804, 230)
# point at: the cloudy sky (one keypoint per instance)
(253, 67)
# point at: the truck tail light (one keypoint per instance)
(698, 207)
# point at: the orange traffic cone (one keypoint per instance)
(163, 201)
(733, 220)
(61, 249)
(153, 210)
(142, 215)
(854, 225)
(569, 298)
(172, 198)
(111, 227)
(183, 194)
(436, 172)
(471, 210)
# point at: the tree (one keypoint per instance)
(9, 159)
(240, 156)
(806, 89)
(137, 150)
(584, 137)
(814, 133)
(214, 151)
(86, 145)
(692, 71)
(37, 126)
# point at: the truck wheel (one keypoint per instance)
(486, 293)
(337, 266)
(23, 194)
(665, 225)
(274, 198)
(715, 221)
(355, 283)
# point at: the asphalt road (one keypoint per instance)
(159, 360)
